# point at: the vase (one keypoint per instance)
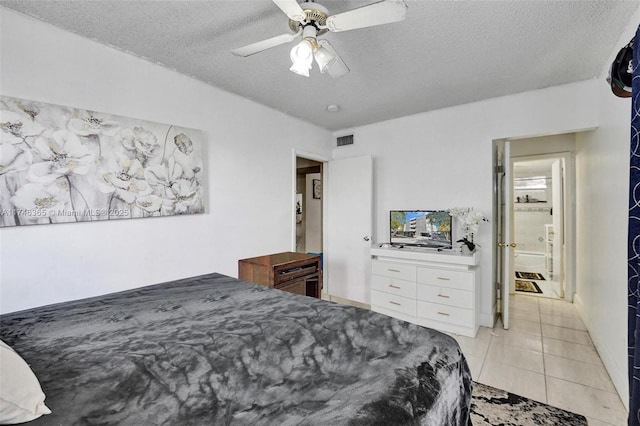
(465, 249)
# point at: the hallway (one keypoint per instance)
(546, 355)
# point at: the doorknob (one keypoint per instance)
(502, 244)
(514, 245)
(366, 238)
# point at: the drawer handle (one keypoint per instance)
(443, 295)
(393, 270)
(395, 303)
(394, 286)
(443, 313)
(444, 279)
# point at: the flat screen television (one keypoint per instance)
(421, 228)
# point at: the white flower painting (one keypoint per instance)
(61, 164)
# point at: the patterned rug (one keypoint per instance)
(530, 276)
(495, 407)
(527, 286)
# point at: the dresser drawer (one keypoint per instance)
(400, 304)
(444, 313)
(446, 296)
(446, 278)
(296, 287)
(287, 272)
(394, 286)
(400, 271)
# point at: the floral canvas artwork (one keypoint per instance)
(61, 164)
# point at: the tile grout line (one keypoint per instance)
(568, 357)
(544, 363)
(486, 354)
(492, 334)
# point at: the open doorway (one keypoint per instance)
(309, 178)
(539, 222)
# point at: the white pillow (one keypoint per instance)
(21, 397)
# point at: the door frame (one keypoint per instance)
(295, 154)
(502, 251)
(569, 190)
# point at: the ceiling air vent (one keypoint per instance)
(345, 140)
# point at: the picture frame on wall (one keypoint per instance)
(317, 189)
(62, 164)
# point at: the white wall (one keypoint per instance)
(550, 144)
(443, 159)
(248, 167)
(602, 171)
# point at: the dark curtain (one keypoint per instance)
(634, 244)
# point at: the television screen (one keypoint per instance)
(423, 228)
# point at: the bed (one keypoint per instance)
(214, 350)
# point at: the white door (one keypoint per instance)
(505, 228)
(348, 228)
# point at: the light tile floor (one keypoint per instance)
(546, 355)
(549, 287)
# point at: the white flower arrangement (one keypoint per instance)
(469, 221)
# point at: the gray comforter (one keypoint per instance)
(213, 350)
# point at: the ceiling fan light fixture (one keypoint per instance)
(324, 59)
(302, 57)
(300, 68)
(310, 20)
(302, 52)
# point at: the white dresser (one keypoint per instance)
(427, 287)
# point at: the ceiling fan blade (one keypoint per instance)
(292, 9)
(260, 46)
(338, 68)
(383, 12)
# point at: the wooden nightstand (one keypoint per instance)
(297, 273)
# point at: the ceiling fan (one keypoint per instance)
(309, 20)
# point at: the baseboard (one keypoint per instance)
(618, 373)
(349, 302)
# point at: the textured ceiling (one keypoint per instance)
(445, 53)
